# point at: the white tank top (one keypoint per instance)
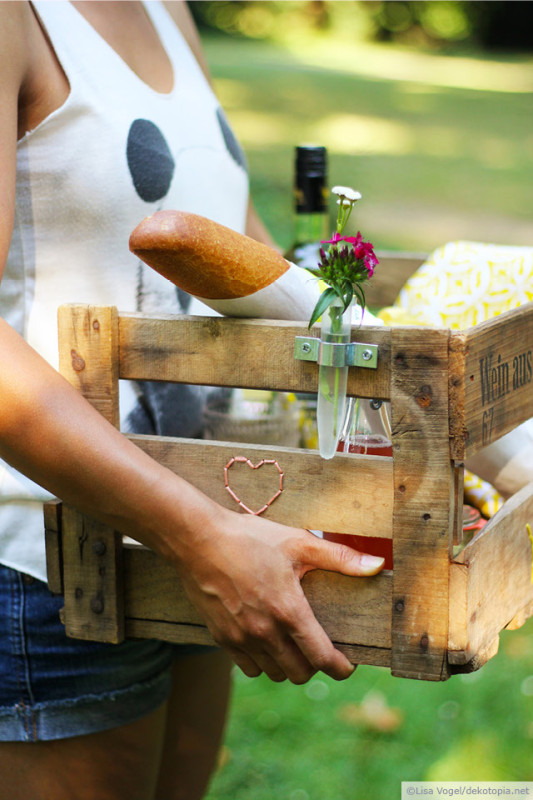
(113, 153)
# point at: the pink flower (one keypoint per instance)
(363, 251)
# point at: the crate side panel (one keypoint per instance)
(499, 563)
(498, 377)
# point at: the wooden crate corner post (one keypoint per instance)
(91, 552)
(423, 503)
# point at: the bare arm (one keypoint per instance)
(242, 572)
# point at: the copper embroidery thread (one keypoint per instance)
(244, 460)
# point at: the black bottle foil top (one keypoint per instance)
(310, 179)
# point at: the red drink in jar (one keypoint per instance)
(368, 444)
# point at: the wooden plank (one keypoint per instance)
(347, 494)
(218, 351)
(88, 355)
(492, 579)
(93, 589)
(54, 552)
(183, 634)
(498, 376)
(456, 396)
(353, 611)
(423, 504)
(168, 631)
(393, 271)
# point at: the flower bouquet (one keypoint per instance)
(346, 263)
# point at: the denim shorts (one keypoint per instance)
(53, 687)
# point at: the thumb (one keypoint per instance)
(341, 558)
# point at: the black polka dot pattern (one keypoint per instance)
(149, 160)
(232, 145)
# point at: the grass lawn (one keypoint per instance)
(357, 740)
(441, 148)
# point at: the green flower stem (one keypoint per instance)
(332, 381)
(336, 328)
(343, 216)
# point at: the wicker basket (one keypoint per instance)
(281, 428)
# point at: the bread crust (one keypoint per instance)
(205, 258)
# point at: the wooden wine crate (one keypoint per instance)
(451, 393)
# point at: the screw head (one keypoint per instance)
(366, 355)
(99, 547)
(97, 605)
(306, 347)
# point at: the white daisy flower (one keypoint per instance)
(347, 192)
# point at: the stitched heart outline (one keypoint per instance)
(244, 460)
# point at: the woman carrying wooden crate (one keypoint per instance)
(106, 117)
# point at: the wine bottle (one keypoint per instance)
(311, 218)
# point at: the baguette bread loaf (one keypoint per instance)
(204, 258)
(230, 273)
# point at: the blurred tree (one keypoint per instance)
(504, 24)
(493, 24)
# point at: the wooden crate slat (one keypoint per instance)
(167, 631)
(498, 376)
(423, 486)
(180, 634)
(456, 395)
(53, 540)
(491, 580)
(92, 578)
(88, 355)
(394, 270)
(217, 351)
(354, 611)
(316, 494)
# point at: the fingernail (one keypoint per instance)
(371, 562)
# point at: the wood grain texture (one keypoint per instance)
(190, 634)
(347, 494)
(54, 554)
(498, 376)
(393, 271)
(423, 503)
(491, 579)
(88, 355)
(352, 611)
(456, 388)
(93, 587)
(253, 354)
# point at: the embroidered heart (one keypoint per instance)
(244, 460)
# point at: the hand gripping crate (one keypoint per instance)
(451, 393)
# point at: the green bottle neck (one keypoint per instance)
(311, 227)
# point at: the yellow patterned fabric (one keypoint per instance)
(459, 285)
(463, 283)
(481, 495)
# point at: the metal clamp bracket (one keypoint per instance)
(350, 354)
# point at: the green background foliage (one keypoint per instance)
(438, 142)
